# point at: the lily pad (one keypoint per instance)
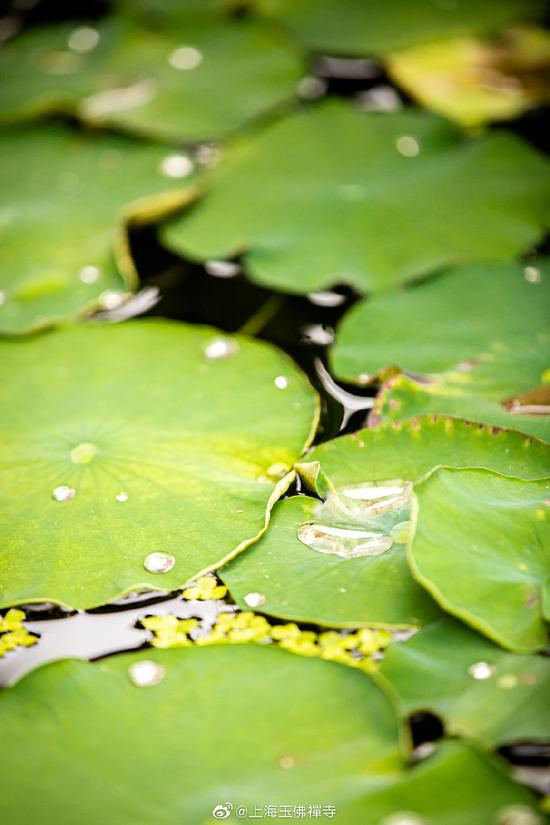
(68, 198)
(498, 389)
(473, 80)
(480, 691)
(356, 27)
(378, 181)
(139, 455)
(196, 76)
(329, 740)
(492, 532)
(329, 585)
(446, 323)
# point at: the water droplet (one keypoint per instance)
(2, 298)
(508, 681)
(219, 348)
(146, 673)
(89, 274)
(379, 99)
(311, 87)
(119, 100)
(481, 671)
(159, 562)
(326, 299)
(407, 146)
(404, 818)
(532, 275)
(343, 541)
(518, 815)
(176, 166)
(402, 532)
(63, 493)
(281, 382)
(110, 299)
(222, 269)
(84, 39)
(379, 498)
(83, 453)
(185, 58)
(287, 762)
(122, 496)
(254, 599)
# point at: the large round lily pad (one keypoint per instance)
(348, 583)
(451, 322)
(67, 198)
(481, 549)
(481, 691)
(126, 440)
(370, 186)
(216, 731)
(367, 27)
(197, 76)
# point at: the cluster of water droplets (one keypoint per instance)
(360, 520)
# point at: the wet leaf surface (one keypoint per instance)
(196, 76)
(299, 582)
(363, 175)
(480, 691)
(67, 199)
(362, 28)
(481, 549)
(330, 737)
(451, 322)
(121, 477)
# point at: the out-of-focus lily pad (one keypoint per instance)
(474, 81)
(137, 455)
(67, 199)
(445, 324)
(297, 581)
(367, 27)
(333, 195)
(329, 739)
(497, 389)
(481, 549)
(480, 691)
(196, 76)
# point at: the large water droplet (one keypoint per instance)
(379, 498)
(89, 274)
(63, 493)
(176, 166)
(146, 673)
(407, 146)
(343, 541)
(185, 58)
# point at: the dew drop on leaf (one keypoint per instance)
(159, 562)
(146, 673)
(63, 493)
(346, 542)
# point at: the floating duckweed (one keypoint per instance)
(205, 588)
(12, 632)
(354, 649)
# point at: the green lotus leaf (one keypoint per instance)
(481, 549)
(357, 27)
(197, 76)
(68, 198)
(480, 691)
(332, 586)
(473, 80)
(446, 323)
(329, 739)
(363, 204)
(508, 387)
(122, 441)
